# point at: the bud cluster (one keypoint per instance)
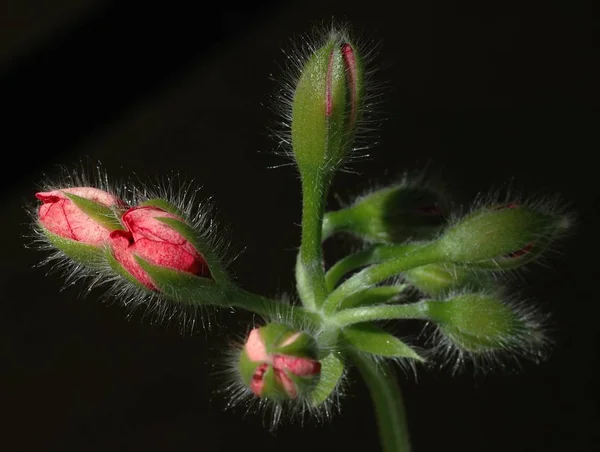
(92, 226)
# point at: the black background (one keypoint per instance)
(480, 95)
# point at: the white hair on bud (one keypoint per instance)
(200, 216)
(301, 49)
(529, 342)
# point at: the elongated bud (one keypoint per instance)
(501, 237)
(480, 322)
(437, 279)
(326, 105)
(157, 237)
(78, 220)
(279, 363)
(390, 215)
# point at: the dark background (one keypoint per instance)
(481, 96)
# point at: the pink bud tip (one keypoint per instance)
(352, 74)
(156, 242)
(60, 216)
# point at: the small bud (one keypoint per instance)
(279, 363)
(501, 237)
(78, 220)
(480, 322)
(390, 215)
(326, 105)
(149, 236)
(437, 279)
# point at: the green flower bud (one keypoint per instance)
(390, 215)
(501, 237)
(437, 279)
(480, 322)
(279, 363)
(326, 105)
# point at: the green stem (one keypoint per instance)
(388, 403)
(386, 312)
(368, 256)
(296, 316)
(375, 295)
(310, 275)
(422, 255)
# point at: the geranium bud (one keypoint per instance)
(479, 322)
(78, 221)
(149, 236)
(390, 215)
(279, 363)
(327, 104)
(501, 237)
(436, 279)
(81, 214)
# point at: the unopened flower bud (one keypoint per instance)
(326, 105)
(390, 215)
(501, 237)
(78, 220)
(279, 363)
(436, 279)
(479, 322)
(150, 236)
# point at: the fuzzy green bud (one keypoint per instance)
(279, 363)
(326, 105)
(479, 322)
(502, 237)
(437, 279)
(390, 215)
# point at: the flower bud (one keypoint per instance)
(501, 237)
(150, 236)
(279, 363)
(78, 220)
(436, 279)
(326, 105)
(479, 322)
(390, 215)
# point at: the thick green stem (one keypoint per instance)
(386, 312)
(310, 275)
(387, 400)
(423, 255)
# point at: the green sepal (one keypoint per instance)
(184, 287)
(272, 389)
(217, 273)
(332, 370)
(89, 255)
(304, 346)
(247, 367)
(163, 205)
(274, 335)
(369, 338)
(106, 216)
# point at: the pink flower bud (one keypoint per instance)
(61, 216)
(277, 361)
(156, 242)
